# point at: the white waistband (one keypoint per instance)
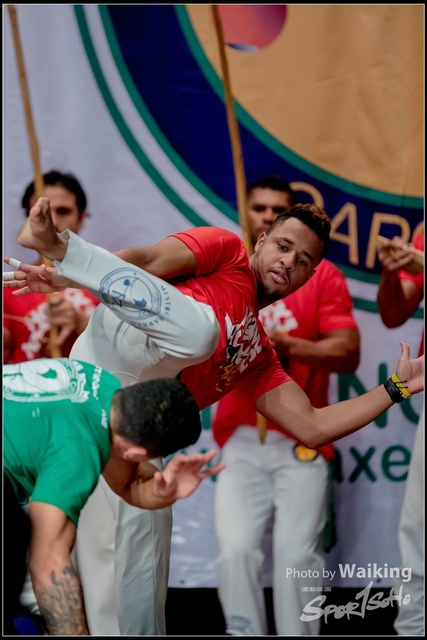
(247, 433)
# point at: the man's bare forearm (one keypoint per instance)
(330, 354)
(136, 487)
(317, 427)
(391, 300)
(60, 598)
(142, 494)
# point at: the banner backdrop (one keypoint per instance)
(130, 99)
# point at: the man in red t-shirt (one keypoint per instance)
(204, 329)
(314, 333)
(28, 320)
(399, 295)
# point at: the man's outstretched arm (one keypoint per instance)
(288, 406)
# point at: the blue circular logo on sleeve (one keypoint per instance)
(137, 295)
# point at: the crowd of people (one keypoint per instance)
(149, 337)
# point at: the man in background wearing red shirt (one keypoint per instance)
(399, 295)
(27, 320)
(314, 334)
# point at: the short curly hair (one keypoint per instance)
(313, 217)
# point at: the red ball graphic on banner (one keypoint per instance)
(251, 27)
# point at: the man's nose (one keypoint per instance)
(289, 260)
(269, 216)
(56, 219)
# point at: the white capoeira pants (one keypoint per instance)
(122, 556)
(145, 327)
(148, 330)
(410, 617)
(260, 480)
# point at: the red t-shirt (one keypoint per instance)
(226, 282)
(322, 305)
(25, 318)
(418, 279)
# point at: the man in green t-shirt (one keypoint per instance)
(65, 423)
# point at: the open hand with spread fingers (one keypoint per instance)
(182, 475)
(31, 278)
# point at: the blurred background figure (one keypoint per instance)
(267, 198)
(400, 293)
(314, 333)
(27, 319)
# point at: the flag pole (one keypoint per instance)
(238, 166)
(34, 146)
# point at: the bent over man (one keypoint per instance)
(66, 422)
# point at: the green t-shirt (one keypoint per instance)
(56, 430)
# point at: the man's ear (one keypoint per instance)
(311, 275)
(261, 239)
(81, 221)
(308, 277)
(135, 453)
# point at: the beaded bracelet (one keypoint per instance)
(396, 390)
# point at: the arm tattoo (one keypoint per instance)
(61, 604)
